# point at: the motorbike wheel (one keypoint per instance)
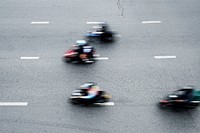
(103, 97)
(102, 100)
(72, 101)
(162, 105)
(78, 102)
(192, 105)
(68, 60)
(108, 36)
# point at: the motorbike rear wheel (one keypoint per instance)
(68, 60)
(162, 105)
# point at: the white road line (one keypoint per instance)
(13, 103)
(105, 104)
(102, 58)
(165, 57)
(29, 58)
(40, 22)
(151, 22)
(95, 22)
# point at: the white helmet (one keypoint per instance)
(81, 42)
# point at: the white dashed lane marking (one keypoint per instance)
(29, 58)
(105, 104)
(95, 23)
(151, 22)
(165, 57)
(13, 103)
(40, 22)
(102, 58)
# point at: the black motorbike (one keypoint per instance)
(183, 98)
(107, 36)
(100, 32)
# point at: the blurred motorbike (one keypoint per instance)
(73, 56)
(80, 96)
(186, 97)
(100, 32)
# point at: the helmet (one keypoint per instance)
(81, 42)
(88, 85)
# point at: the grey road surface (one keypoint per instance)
(136, 80)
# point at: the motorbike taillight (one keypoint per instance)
(163, 101)
(69, 53)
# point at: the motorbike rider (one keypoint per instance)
(104, 32)
(101, 28)
(84, 51)
(186, 95)
(91, 92)
(104, 28)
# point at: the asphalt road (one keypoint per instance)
(136, 80)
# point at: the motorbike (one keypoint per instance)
(181, 99)
(100, 32)
(71, 56)
(76, 98)
(108, 36)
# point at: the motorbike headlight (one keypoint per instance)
(107, 96)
